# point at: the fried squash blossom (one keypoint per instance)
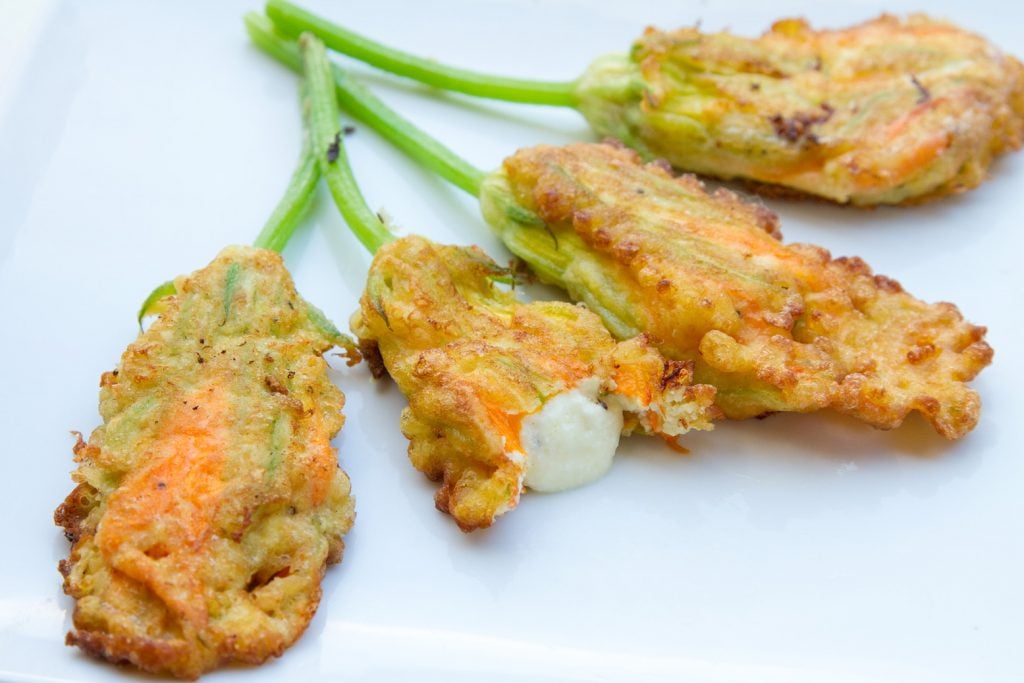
(773, 327)
(210, 500)
(504, 394)
(886, 112)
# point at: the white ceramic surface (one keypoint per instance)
(136, 139)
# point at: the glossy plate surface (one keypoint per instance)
(136, 139)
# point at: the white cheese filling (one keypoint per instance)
(571, 441)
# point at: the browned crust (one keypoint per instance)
(200, 534)
(371, 354)
(147, 654)
(800, 112)
(774, 327)
(76, 507)
(474, 362)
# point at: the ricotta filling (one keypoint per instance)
(571, 441)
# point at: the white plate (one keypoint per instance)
(137, 139)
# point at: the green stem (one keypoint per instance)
(280, 226)
(330, 152)
(422, 148)
(366, 107)
(289, 211)
(293, 20)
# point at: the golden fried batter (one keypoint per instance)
(210, 500)
(773, 327)
(886, 112)
(475, 363)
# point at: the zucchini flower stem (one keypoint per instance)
(282, 223)
(323, 122)
(287, 215)
(293, 20)
(366, 107)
